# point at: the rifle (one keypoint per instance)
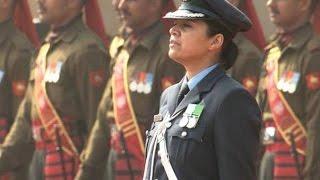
(295, 156)
(60, 151)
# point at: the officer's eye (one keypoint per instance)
(186, 25)
(183, 25)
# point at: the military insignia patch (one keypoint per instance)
(19, 88)
(167, 82)
(96, 78)
(191, 116)
(133, 86)
(148, 83)
(250, 83)
(142, 83)
(313, 80)
(288, 81)
(53, 72)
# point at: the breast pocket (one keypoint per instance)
(185, 144)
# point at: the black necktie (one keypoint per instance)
(183, 91)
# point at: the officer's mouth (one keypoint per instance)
(173, 43)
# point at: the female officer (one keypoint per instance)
(208, 126)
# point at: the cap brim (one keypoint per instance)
(184, 14)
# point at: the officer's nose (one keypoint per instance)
(174, 31)
(115, 4)
(121, 4)
(270, 3)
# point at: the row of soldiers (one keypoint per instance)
(78, 109)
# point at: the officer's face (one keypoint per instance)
(52, 11)
(135, 13)
(284, 13)
(189, 41)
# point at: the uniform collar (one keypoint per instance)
(149, 36)
(299, 37)
(194, 95)
(152, 35)
(68, 32)
(6, 28)
(194, 81)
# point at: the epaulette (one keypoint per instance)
(20, 41)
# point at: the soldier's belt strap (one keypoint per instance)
(48, 116)
(163, 151)
(284, 117)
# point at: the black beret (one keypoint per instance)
(220, 11)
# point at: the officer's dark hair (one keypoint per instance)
(229, 48)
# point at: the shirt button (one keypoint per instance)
(184, 134)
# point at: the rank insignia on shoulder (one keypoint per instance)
(19, 87)
(289, 81)
(313, 80)
(250, 83)
(191, 116)
(97, 78)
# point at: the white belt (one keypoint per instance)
(159, 138)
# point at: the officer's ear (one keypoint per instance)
(216, 42)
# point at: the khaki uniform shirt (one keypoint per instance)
(15, 55)
(150, 57)
(80, 62)
(246, 69)
(301, 56)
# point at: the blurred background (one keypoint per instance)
(111, 22)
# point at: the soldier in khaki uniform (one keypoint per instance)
(141, 71)
(67, 79)
(289, 94)
(15, 54)
(246, 69)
